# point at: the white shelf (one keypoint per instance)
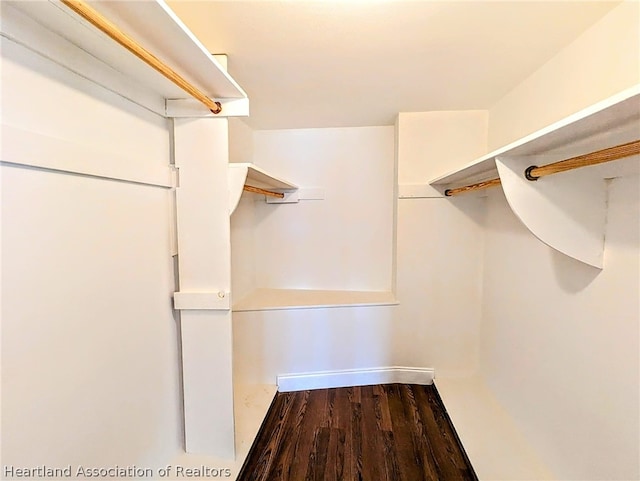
(242, 173)
(54, 31)
(614, 120)
(263, 299)
(567, 211)
(258, 177)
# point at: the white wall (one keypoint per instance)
(601, 62)
(438, 284)
(89, 345)
(560, 341)
(243, 264)
(240, 141)
(433, 143)
(243, 278)
(313, 245)
(343, 242)
(270, 343)
(439, 246)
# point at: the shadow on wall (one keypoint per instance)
(473, 206)
(572, 275)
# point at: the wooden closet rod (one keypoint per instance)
(600, 156)
(257, 190)
(469, 188)
(534, 172)
(98, 21)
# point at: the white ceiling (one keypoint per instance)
(359, 63)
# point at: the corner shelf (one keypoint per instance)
(242, 173)
(263, 299)
(55, 32)
(566, 211)
(613, 120)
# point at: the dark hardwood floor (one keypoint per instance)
(393, 432)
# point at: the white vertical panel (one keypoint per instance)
(207, 382)
(89, 353)
(204, 257)
(201, 154)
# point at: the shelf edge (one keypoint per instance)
(253, 302)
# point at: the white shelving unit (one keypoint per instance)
(269, 299)
(75, 44)
(56, 34)
(566, 211)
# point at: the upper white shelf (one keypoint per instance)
(614, 120)
(151, 23)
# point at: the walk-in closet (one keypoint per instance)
(213, 210)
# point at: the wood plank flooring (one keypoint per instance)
(392, 432)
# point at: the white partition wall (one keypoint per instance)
(90, 362)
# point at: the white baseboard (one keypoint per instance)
(355, 377)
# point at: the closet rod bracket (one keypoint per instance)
(527, 173)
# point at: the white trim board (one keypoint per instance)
(21, 147)
(355, 377)
(263, 299)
